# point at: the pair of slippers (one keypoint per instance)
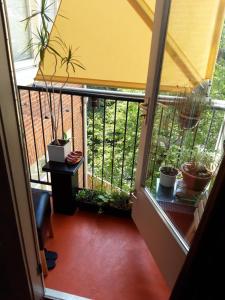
(51, 257)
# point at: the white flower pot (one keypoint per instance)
(167, 180)
(59, 152)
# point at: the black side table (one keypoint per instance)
(64, 179)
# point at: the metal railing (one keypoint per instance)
(113, 132)
(37, 124)
(174, 145)
(113, 139)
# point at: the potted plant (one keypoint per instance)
(192, 105)
(119, 204)
(198, 172)
(64, 57)
(168, 172)
(92, 200)
(116, 203)
(168, 176)
(58, 149)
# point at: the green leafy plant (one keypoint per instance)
(118, 199)
(194, 103)
(93, 196)
(198, 171)
(171, 144)
(202, 163)
(64, 56)
(168, 165)
(104, 118)
(65, 136)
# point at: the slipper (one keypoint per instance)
(50, 255)
(50, 264)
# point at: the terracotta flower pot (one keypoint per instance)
(193, 182)
(188, 122)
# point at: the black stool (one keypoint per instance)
(43, 213)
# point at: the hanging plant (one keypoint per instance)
(191, 106)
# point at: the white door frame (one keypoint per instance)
(16, 164)
(163, 240)
(17, 169)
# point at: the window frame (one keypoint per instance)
(30, 63)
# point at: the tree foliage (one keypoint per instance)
(113, 132)
(113, 160)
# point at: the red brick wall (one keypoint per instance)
(35, 132)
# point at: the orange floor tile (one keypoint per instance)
(103, 257)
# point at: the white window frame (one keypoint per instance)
(26, 69)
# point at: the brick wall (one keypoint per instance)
(40, 132)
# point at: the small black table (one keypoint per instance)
(64, 179)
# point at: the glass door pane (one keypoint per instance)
(188, 132)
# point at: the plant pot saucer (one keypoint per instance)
(73, 157)
(72, 163)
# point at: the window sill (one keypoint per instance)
(25, 76)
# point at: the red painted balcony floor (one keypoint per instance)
(103, 257)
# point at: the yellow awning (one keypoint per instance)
(113, 38)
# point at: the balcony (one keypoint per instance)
(102, 138)
(111, 147)
(105, 126)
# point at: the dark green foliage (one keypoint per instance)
(171, 144)
(218, 86)
(93, 196)
(124, 152)
(120, 200)
(104, 200)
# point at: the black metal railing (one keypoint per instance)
(38, 128)
(173, 144)
(113, 139)
(113, 132)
